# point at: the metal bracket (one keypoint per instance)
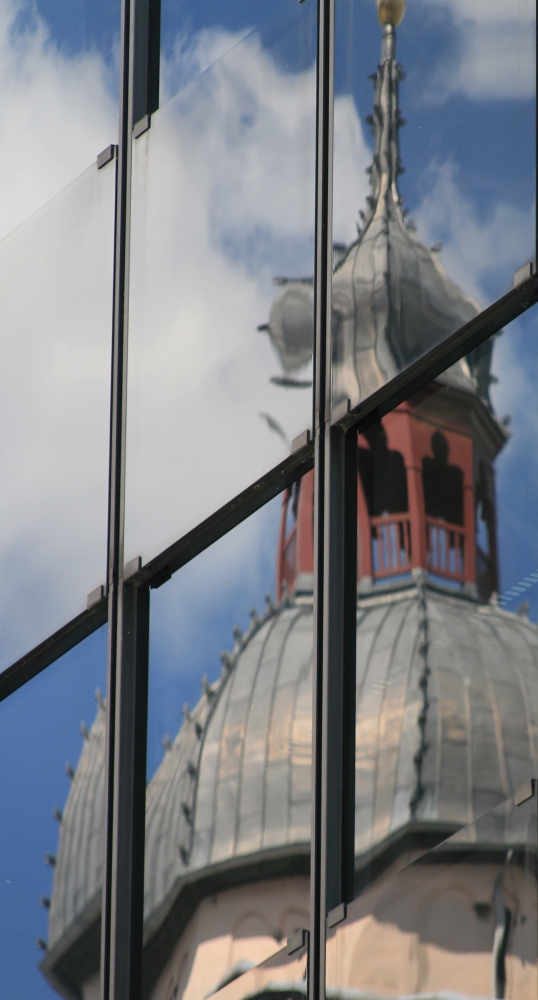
(131, 568)
(301, 440)
(340, 411)
(296, 941)
(525, 792)
(106, 156)
(523, 273)
(95, 596)
(336, 915)
(141, 126)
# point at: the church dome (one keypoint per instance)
(78, 872)
(446, 729)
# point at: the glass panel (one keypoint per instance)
(284, 972)
(228, 803)
(223, 207)
(195, 35)
(403, 283)
(59, 78)
(55, 317)
(459, 921)
(447, 653)
(447, 691)
(52, 814)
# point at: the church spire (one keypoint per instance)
(386, 119)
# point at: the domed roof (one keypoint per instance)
(392, 300)
(447, 724)
(79, 866)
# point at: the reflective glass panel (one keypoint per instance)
(447, 641)
(419, 253)
(285, 972)
(55, 321)
(51, 822)
(447, 692)
(195, 35)
(229, 761)
(221, 291)
(59, 78)
(458, 921)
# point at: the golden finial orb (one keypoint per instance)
(391, 11)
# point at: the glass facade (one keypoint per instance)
(55, 316)
(268, 395)
(220, 370)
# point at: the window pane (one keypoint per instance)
(460, 919)
(195, 35)
(404, 282)
(59, 78)
(55, 317)
(228, 804)
(447, 665)
(223, 208)
(52, 794)
(286, 971)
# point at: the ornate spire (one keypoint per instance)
(386, 122)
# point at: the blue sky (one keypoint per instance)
(467, 149)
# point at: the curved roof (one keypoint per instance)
(392, 300)
(447, 727)
(79, 866)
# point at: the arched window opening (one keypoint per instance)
(383, 480)
(443, 503)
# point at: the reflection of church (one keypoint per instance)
(447, 684)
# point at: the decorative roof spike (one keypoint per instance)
(166, 742)
(186, 712)
(83, 729)
(206, 686)
(50, 859)
(69, 770)
(57, 814)
(99, 698)
(237, 634)
(386, 119)
(269, 604)
(44, 901)
(226, 661)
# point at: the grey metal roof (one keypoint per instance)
(392, 300)
(79, 866)
(447, 727)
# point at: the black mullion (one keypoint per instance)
(322, 453)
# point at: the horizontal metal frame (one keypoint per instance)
(160, 569)
(52, 648)
(489, 322)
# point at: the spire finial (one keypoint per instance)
(391, 12)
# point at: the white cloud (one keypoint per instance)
(495, 55)
(476, 249)
(57, 113)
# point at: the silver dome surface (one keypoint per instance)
(447, 727)
(78, 871)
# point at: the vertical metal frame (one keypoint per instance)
(128, 601)
(335, 568)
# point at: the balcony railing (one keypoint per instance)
(446, 549)
(391, 545)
